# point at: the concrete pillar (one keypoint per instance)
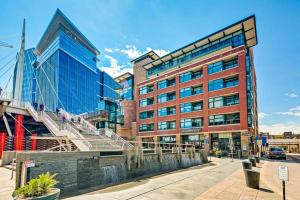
(245, 145)
(19, 133)
(178, 139)
(2, 142)
(207, 146)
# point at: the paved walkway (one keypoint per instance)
(6, 185)
(184, 184)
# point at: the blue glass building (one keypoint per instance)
(62, 71)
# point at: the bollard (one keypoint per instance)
(253, 161)
(247, 165)
(252, 178)
(257, 159)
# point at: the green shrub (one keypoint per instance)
(218, 153)
(37, 187)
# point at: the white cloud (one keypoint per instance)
(292, 112)
(109, 50)
(132, 52)
(115, 69)
(262, 115)
(160, 52)
(292, 95)
(280, 128)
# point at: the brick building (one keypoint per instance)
(203, 93)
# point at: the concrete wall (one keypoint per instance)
(7, 157)
(78, 170)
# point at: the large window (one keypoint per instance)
(223, 83)
(185, 92)
(146, 127)
(166, 97)
(166, 125)
(217, 102)
(167, 111)
(234, 40)
(190, 76)
(191, 123)
(224, 119)
(146, 89)
(192, 106)
(166, 83)
(146, 102)
(147, 114)
(222, 65)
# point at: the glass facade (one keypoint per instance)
(233, 118)
(218, 102)
(146, 127)
(127, 86)
(166, 83)
(185, 92)
(191, 106)
(223, 83)
(146, 102)
(147, 114)
(166, 97)
(190, 76)
(167, 111)
(146, 89)
(223, 65)
(191, 123)
(166, 125)
(234, 40)
(29, 81)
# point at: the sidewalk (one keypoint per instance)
(234, 187)
(7, 185)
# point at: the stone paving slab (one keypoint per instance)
(234, 188)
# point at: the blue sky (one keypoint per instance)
(124, 29)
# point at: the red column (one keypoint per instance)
(19, 133)
(33, 142)
(2, 143)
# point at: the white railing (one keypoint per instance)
(112, 135)
(32, 111)
(78, 135)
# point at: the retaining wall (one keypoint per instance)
(79, 170)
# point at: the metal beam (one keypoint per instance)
(7, 125)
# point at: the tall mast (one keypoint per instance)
(18, 73)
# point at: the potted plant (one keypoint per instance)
(218, 153)
(40, 188)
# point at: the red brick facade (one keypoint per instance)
(241, 89)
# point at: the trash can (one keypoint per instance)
(252, 178)
(257, 159)
(246, 164)
(253, 161)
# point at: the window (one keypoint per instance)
(185, 92)
(222, 65)
(215, 84)
(146, 89)
(230, 82)
(146, 114)
(166, 83)
(146, 102)
(189, 107)
(215, 67)
(191, 123)
(166, 125)
(223, 83)
(234, 40)
(231, 100)
(166, 111)
(197, 90)
(215, 102)
(190, 76)
(146, 127)
(166, 97)
(224, 119)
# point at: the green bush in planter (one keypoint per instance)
(218, 153)
(37, 187)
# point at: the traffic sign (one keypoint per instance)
(283, 173)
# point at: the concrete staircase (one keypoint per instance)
(83, 134)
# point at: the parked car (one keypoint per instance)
(277, 152)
